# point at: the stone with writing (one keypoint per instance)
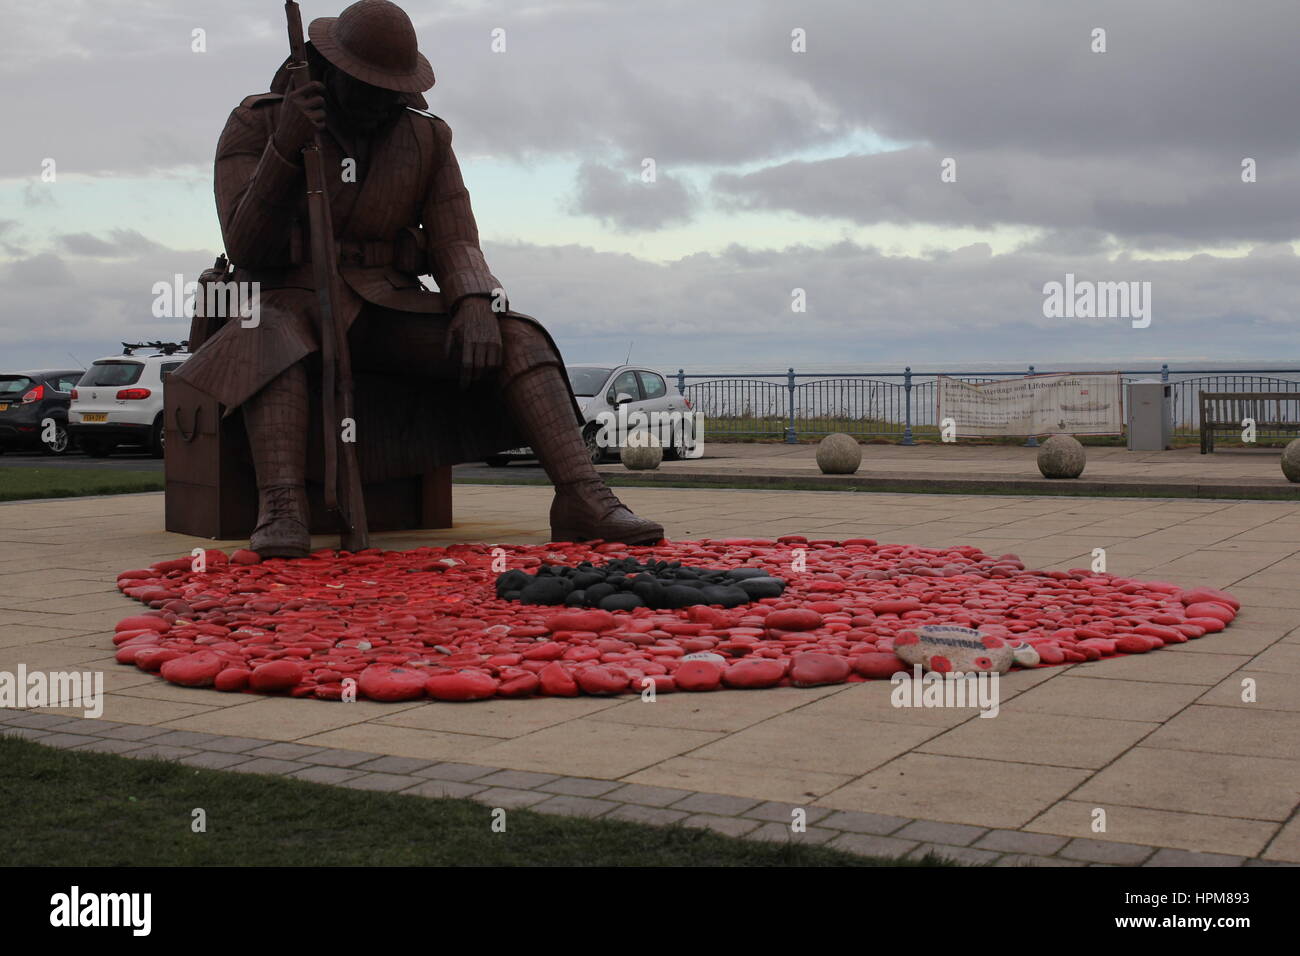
(947, 648)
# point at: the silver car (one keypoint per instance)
(609, 397)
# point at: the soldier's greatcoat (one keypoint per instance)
(407, 214)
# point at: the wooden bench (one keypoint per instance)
(1224, 411)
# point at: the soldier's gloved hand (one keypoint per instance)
(474, 339)
(302, 113)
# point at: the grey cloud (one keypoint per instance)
(84, 244)
(1154, 200)
(1199, 75)
(120, 244)
(623, 200)
(38, 271)
(49, 306)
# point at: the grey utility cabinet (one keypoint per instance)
(1150, 416)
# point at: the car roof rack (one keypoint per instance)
(167, 348)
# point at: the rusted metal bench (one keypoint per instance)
(1225, 411)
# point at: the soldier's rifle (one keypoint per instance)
(343, 490)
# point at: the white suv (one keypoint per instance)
(119, 401)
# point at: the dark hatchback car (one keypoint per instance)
(27, 399)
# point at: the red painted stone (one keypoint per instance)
(812, 669)
(391, 682)
(879, 666)
(556, 681)
(275, 676)
(1199, 595)
(193, 670)
(753, 673)
(152, 657)
(232, 678)
(1211, 609)
(525, 685)
(794, 619)
(698, 676)
(590, 620)
(601, 680)
(466, 685)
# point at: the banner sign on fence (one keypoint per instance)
(1090, 404)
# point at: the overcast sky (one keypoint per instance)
(776, 170)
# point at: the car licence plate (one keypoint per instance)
(94, 417)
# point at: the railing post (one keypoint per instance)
(1032, 440)
(790, 437)
(907, 403)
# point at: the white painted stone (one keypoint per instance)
(1023, 653)
(964, 649)
(705, 656)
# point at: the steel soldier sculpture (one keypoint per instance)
(399, 210)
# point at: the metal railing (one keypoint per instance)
(794, 405)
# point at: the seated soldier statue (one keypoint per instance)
(400, 210)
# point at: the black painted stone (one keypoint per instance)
(675, 595)
(625, 583)
(546, 590)
(512, 581)
(740, 574)
(724, 595)
(762, 587)
(625, 601)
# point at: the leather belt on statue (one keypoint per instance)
(405, 252)
(366, 252)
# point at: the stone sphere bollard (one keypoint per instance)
(839, 454)
(1061, 456)
(644, 456)
(1291, 460)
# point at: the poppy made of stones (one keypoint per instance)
(625, 584)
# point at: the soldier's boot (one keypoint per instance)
(276, 419)
(538, 397)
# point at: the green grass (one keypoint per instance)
(17, 484)
(65, 808)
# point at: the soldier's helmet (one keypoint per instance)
(374, 41)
